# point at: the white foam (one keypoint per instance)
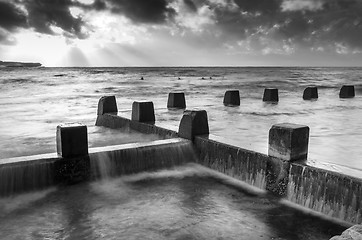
(9, 204)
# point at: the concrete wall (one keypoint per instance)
(112, 120)
(330, 193)
(247, 166)
(25, 174)
(333, 194)
(38, 172)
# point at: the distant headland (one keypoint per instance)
(19, 64)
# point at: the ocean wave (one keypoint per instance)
(327, 86)
(275, 113)
(19, 81)
(60, 75)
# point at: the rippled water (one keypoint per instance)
(183, 203)
(34, 101)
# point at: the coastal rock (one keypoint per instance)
(19, 64)
(352, 233)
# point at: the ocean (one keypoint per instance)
(33, 101)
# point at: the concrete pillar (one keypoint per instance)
(143, 112)
(193, 123)
(176, 100)
(107, 104)
(310, 93)
(270, 95)
(232, 98)
(72, 140)
(347, 91)
(288, 141)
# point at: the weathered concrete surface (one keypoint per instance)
(26, 174)
(72, 140)
(193, 123)
(347, 91)
(247, 166)
(310, 93)
(133, 158)
(333, 194)
(288, 141)
(232, 98)
(143, 112)
(277, 176)
(32, 173)
(352, 233)
(176, 100)
(107, 104)
(271, 95)
(114, 121)
(71, 170)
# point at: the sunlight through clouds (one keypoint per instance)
(296, 5)
(196, 19)
(31, 46)
(140, 32)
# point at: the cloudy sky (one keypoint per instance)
(182, 32)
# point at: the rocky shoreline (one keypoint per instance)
(19, 64)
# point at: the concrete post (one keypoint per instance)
(288, 141)
(107, 104)
(72, 140)
(176, 100)
(270, 95)
(193, 123)
(143, 112)
(310, 93)
(347, 91)
(232, 98)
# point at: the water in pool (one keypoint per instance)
(183, 203)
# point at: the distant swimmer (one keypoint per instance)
(203, 78)
(141, 78)
(210, 77)
(179, 78)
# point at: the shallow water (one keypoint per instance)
(183, 203)
(34, 101)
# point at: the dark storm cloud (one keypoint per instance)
(42, 14)
(11, 17)
(139, 11)
(191, 5)
(338, 22)
(262, 6)
(144, 11)
(303, 23)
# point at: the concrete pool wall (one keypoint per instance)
(24, 174)
(333, 194)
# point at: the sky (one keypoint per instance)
(116, 33)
